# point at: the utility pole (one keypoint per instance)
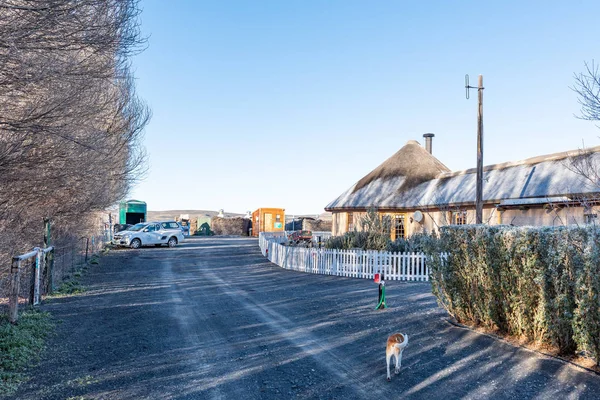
(479, 183)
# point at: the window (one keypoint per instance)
(278, 224)
(589, 215)
(137, 227)
(350, 222)
(459, 217)
(398, 226)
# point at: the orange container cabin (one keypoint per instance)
(268, 220)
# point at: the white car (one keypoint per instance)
(150, 233)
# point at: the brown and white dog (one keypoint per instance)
(396, 344)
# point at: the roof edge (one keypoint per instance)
(527, 161)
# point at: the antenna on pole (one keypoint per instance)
(479, 190)
(467, 87)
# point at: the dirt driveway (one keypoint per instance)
(212, 319)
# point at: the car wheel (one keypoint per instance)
(136, 244)
(172, 241)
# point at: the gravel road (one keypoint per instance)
(212, 319)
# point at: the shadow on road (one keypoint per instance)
(213, 319)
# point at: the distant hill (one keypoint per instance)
(324, 216)
(172, 214)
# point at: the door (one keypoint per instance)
(268, 222)
(152, 234)
(134, 218)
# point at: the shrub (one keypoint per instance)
(586, 324)
(230, 226)
(541, 284)
(358, 240)
(414, 243)
(374, 234)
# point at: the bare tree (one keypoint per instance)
(583, 162)
(587, 87)
(70, 121)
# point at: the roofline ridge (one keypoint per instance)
(526, 161)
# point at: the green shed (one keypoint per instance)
(132, 212)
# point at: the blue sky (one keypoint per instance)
(289, 103)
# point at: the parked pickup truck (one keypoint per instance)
(298, 237)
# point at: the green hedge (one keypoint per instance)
(542, 284)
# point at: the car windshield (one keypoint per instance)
(137, 227)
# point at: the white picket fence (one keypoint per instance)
(349, 263)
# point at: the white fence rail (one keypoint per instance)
(40, 255)
(349, 263)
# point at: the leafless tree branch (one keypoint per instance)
(71, 124)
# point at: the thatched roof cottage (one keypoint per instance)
(421, 194)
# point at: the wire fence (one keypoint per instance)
(67, 257)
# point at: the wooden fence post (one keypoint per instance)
(49, 257)
(33, 268)
(39, 266)
(13, 300)
(87, 244)
(50, 267)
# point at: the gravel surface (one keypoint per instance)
(212, 319)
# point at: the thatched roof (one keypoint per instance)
(412, 162)
(539, 177)
(407, 168)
